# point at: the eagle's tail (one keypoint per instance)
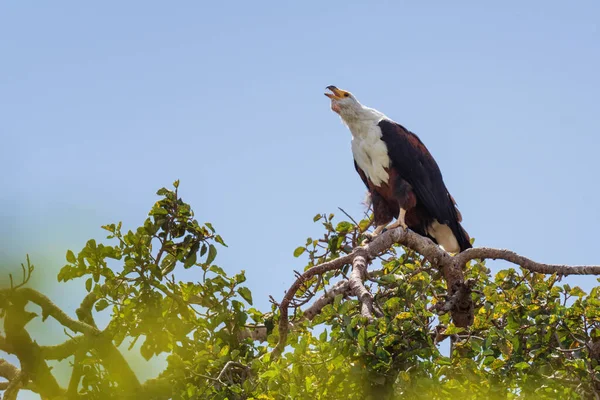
(464, 241)
(452, 238)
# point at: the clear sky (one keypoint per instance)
(103, 103)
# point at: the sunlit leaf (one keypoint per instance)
(246, 294)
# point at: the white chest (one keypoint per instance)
(369, 151)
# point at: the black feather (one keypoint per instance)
(415, 164)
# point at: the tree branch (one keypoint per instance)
(4, 345)
(49, 308)
(35, 356)
(28, 352)
(7, 370)
(84, 312)
(341, 287)
(260, 332)
(283, 306)
(524, 262)
(229, 366)
(63, 350)
(12, 389)
(459, 301)
(357, 277)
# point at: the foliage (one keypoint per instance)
(532, 337)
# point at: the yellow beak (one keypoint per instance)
(335, 93)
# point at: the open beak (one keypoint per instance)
(335, 94)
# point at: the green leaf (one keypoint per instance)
(299, 250)
(522, 365)
(323, 336)
(176, 184)
(212, 253)
(337, 300)
(364, 224)
(191, 391)
(246, 294)
(101, 305)
(269, 374)
(443, 361)
(219, 240)
(224, 351)
(217, 270)
(577, 291)
(158, 210)
(317, 217)
(362, 337)
(343, 227)
(88, 284)
(452, 329)
(191, 260)
(71, 257)
(241, 277)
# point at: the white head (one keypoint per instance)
(344, 103)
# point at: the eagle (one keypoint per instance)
(402, 177)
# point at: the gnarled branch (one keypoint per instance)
(459, 302)
(524, 262)
(63, 350)
(357, 277)
(51, 309)
(28, 352)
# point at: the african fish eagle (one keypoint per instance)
(402, 177)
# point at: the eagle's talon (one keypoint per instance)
(397, 224)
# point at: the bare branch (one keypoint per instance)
(357, 277)
(112, 359)
(27, 351)
(7, 370)
(4, 345)
(283, 306)
(16, 380)
(63, 350)
(230, 365)
(260, 332)
(84, 312)
(76, 373)
(26, 274)
(461, 294)
(12, 389)
(116, 365)
(511, 256)
(49, 308)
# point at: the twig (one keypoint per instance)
(349, 216)
(231, 365)
(26, 274)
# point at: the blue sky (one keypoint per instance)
(104, 103)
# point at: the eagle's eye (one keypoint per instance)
(346, 94)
